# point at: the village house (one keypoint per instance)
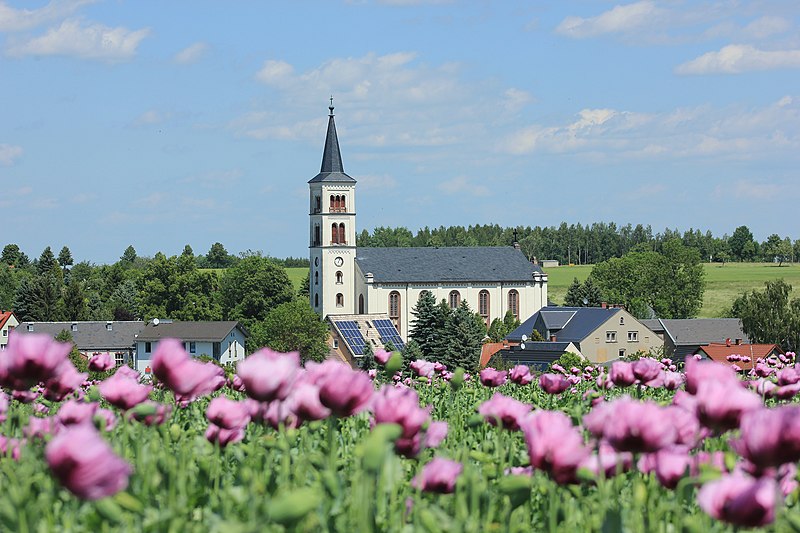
(8, 321)
(684, 337)
(223, 341)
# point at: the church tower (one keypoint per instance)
(332, 217)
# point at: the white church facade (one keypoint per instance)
(345, 280)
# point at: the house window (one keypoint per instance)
(192, 347)
(454, 299)
(622, 353)
(5, 333)
(611, 336)
(336, 343)
(30, 327)
(394, 308)
(483, 306)
(108, 326)
(360, 304)
(633, 336)
(622, 321)
(119, 358)
(74, 327)
(340, 300)
(147, 347)
(513, 303)
(339, 277)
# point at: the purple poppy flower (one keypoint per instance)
(493, 378)
(503, 411)
(269, 375)
(740, 500)
(439, 475)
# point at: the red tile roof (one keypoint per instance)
(720, 352)
(489, 349)
(4, 316)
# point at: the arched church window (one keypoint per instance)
(316, 278)
(334, 234)
(340, 300)
(317, 238)
(483, 305)
(454, 299)
(317, 204)
(342, 240)
(343, 205)
(360, 304)
(423, 294)
(394, 308)
(513, 303)
(316, 300)
(339, 277)
(333, 203)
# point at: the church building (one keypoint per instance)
(345, 280)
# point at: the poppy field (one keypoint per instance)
(274, 445)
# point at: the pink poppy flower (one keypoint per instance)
(108, 418)
(228, 414)
(553, 383)
(236, 383)
(720, 405)
(621, 374)
(382, 357)
(439, 475)
(222, 436)
(304, 403)
(770, 437)
(38, 428)
(646, 369)
(159, 413)
(85, 464)
(521, 375)
(101, 362)
(671, 465)
(608, 461)
(435, 434)
(123, 392)
(64, 382)
(269, 375)
(393, 405)
(10, 447)
(278, 415)
(740, 500)
(31, 358)
(554, 445)
(505, 412)
(423, 368)
(634, 426)
(493, 378)
(73, 412)
(698, 372)
(672, 380)
(345, 391)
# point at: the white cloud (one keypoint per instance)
(767, 26)
(752, 189)
(376, 182)
(191, 54)
(515, 99)
(463, 185)
(150, 117)
(705, 131)
(737, 58)
(9, 154)
(94, 41)
(619, 19)
(648, 191)
(13, 20)
(275, 72)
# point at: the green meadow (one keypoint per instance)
(723, 282)
(297, 275)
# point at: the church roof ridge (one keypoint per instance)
(332, 168)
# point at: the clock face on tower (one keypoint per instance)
(338, 261)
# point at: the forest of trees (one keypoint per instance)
(591, 244)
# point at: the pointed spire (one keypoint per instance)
(331, 157)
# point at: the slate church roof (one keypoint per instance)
(332, 169)
(452, 264)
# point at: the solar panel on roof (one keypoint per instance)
(352, 336)
(388, 333)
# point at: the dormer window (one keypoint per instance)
(108, 326)
(74, 327)
(30, 327)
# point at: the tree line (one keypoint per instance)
(590, 243)
(251, 288)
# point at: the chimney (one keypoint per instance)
(552, 338)
(603, 305)
(738, 342)
(728, 342)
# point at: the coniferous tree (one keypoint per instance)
(367, 361)
(65, 258)
(428, 325)
(464, 332)
(574, 295)
(23, 297)
(75, 307)
(46, 303)
(129, 255)
(592, 293)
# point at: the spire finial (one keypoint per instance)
(331, 106)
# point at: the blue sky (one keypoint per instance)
(159, 124)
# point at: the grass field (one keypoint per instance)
(723, 283)
(297, 276)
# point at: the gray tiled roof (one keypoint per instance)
(332, 168)
(455, 264)
(579, 323)
(696, 331)
(209, 331)
(91, 335)
(537, 355)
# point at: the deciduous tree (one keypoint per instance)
(769, 316)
